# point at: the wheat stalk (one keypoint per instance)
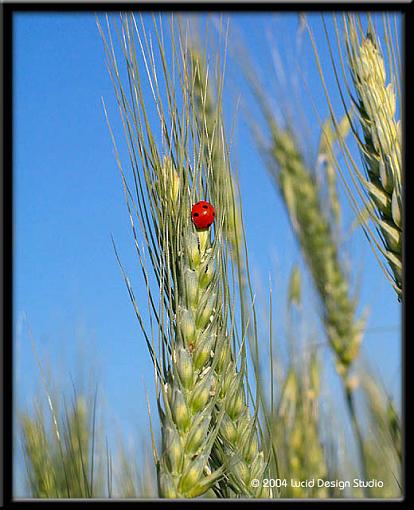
(295, 417)
(199, 386)
(39, 462)
(59, 452)
(384, 429)
(297, 430)
(301, 195)
(377, 132)
(381, 148)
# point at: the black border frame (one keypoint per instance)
(6, 212)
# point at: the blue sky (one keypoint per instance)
(68, 201)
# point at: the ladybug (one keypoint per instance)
(202, 214)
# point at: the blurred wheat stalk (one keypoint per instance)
(302, 196)
(295, 418)
(59, 450)
(66, 458)
(384, 441)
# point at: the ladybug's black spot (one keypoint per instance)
(205, 206)
(195, 214)
(214, 213)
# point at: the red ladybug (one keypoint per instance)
(202, 214)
